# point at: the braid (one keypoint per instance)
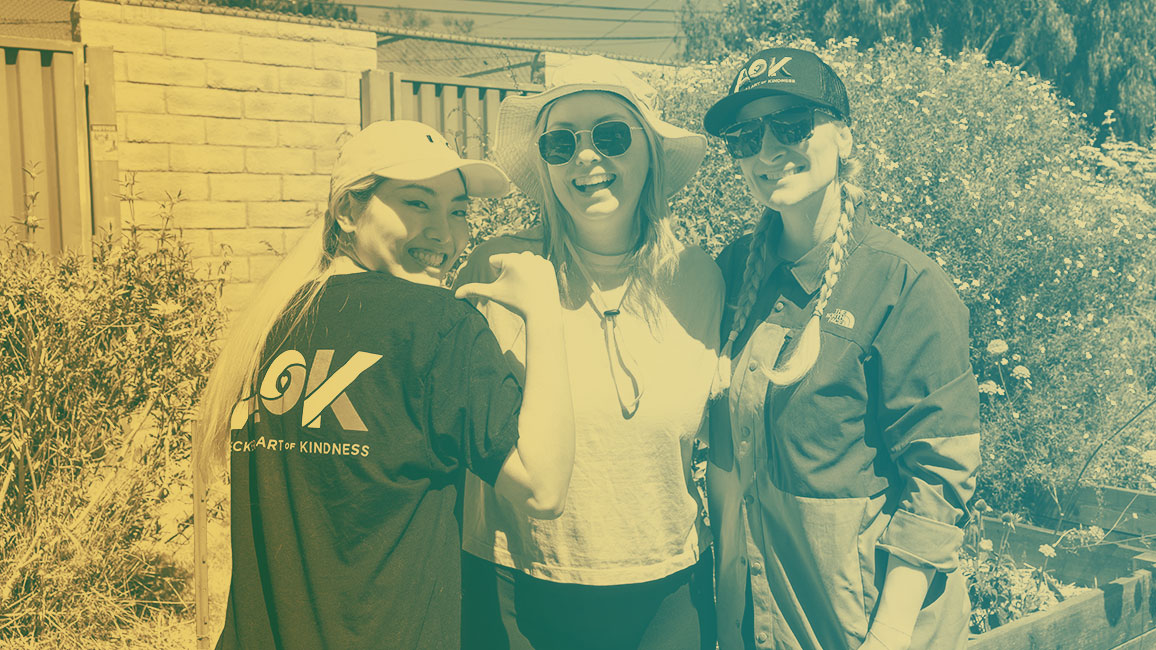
(802, 358)
(753, 274)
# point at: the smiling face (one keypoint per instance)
(413, 230)
(782, 176)
(598, 191)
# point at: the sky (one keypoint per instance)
(638, 28)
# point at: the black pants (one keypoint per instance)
(503, 608)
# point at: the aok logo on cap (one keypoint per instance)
(771, 70)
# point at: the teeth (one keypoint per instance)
(593, 179)
(783, 174)
(429, 258)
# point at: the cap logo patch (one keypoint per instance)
(763, 71)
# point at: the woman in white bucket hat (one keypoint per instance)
(354, 393)
(627, 564)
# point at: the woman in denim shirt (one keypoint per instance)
(847, 445)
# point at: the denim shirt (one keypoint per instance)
(872, 454)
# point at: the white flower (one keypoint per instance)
(989, 387)
(1020, 372)
(1149, 457)
(985, 545)
(1047, 550)
(997, 347)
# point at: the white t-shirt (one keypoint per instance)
(632, 510)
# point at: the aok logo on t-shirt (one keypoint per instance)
(289, 378)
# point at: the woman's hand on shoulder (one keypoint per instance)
(526, 284)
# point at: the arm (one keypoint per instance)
(536, 475)
(929, 411)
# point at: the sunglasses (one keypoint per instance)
(611, 138)
(791, 126)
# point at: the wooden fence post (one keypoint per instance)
(102, 141)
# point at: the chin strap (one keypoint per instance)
(629, 389)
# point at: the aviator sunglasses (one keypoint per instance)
(791, 126)
(612, 138)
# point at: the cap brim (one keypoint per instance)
(724, 111)
(483, 179)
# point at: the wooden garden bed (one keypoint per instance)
(1119, 612)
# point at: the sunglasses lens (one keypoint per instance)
(611, 138)
(793, 126)
(557, 147)
(744, 139)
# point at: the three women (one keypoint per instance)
(841, 456)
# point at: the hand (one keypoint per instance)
(526, 284)
(885, 637)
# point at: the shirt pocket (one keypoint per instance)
(819, 542)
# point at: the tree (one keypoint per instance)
(1100, 54)
(711, 35)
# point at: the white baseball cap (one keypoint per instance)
(410, 151)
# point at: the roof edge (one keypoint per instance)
(377, 28)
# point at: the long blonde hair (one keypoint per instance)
(800, 357)
(291, 288)
(653, 259)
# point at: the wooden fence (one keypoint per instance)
(51, 191)
(464, 110)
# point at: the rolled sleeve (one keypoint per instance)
(930, 417)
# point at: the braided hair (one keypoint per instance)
(801, 357)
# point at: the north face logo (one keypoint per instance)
(288, 378)
(841, 317)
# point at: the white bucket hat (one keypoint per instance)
(516, 148)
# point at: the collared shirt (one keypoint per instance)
(873, 453)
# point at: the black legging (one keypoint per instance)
(504, 609)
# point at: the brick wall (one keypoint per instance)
(241, 114)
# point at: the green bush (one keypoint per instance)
(102, 357)
(1048, 239)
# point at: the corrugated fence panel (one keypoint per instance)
(464, 110)
(44, 159)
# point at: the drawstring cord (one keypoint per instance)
(621, 361)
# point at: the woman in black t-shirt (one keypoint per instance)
(365, 392)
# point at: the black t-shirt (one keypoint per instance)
(347, 473)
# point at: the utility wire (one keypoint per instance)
(585, 6)
(511, 15)
(621, 23)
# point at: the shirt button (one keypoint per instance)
(746, 432)
(779, 305)
(743, 561)
(756, 567)
(749, 499)
(744, 447)
(762, 637)
(754, 366)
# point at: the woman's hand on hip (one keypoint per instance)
(526, 284)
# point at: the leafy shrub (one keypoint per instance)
(987, 171)
(102, 356)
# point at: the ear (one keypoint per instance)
(844, 140)
(345, 223)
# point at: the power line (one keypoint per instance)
(602, 38)
(621, 23)
(582, 6)
(502, 15)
